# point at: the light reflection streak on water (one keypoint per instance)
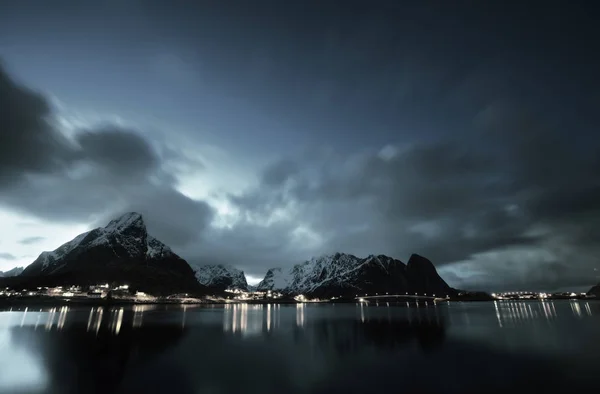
(227, 317)
(116, 320)
(138, 314)
(50, 321)
(497, 313)
(245, 319)
(62, 317)
(511, 313)
(300, 314)
(24, 315)
(532, 313)
(588, 309)
(99, 314)
(576, 309)
(362, 312)
(89, 322)
(268, 317)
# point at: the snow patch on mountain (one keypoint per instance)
(221, 276)
(275, 279)
(337, 269)
(155, 248)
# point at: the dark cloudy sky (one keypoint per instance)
(262, 133)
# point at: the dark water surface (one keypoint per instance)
(448, 348)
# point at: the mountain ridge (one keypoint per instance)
(16, 271)
(344, 274)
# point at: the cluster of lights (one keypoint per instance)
(533, 295)
(97, 291)
(242, 295)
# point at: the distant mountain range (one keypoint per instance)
(124, 252)
(10, 273)
(347, 275)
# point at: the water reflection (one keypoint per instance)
(244, 319)
(576, 308)
(94, 363)
(138, 313)
(511, 313)
(300, 348)
(300, 310)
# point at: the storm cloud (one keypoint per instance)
(98, 173)
(521, 208)
(467, 136)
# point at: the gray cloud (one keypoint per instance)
(7, 256)
(27, 143)
(102, 172)
(123, 153)
(517, 202)
(31, 240)
(512, 200)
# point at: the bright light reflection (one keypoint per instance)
(243, 318)
(19, 370)
(300, 314)
(62, 317)
(116, 320)
(576, 308)
(24, 315)
(99, 314)
(497, 313)
(50, 321)
(268, 317)
(588, 309)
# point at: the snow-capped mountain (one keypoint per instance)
(10, 273)
(123, 251)
(222, 277)
(344, 274)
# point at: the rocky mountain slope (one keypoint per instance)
(10, 273)
(221, 277)
(595, 291)
(347, 275)
(121, 252)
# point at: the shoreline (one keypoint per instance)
(55, 301)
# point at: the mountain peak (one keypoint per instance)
(416, 259)
(129, 219)
(122, 251)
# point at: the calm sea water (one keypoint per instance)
(448, 348)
